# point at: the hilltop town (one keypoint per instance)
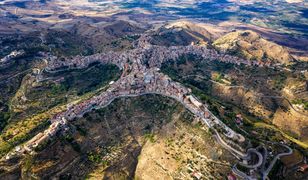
(210, 89)
(141, 77)
(151, 56)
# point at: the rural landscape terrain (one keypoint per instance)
(160, 89)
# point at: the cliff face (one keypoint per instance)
(250, 45)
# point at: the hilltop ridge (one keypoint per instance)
(252, 46)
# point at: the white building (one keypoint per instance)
(195, 101)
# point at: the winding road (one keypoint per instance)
(270, 167)
(142, 80)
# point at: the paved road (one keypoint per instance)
(215, 82)
(267, 171)
(262, 169)
(243, 87)
(241, 174)
(195, 111)
(138, 68)
(237, 153)
(289, 102)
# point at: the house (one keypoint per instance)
(194, 101)
(206, 114)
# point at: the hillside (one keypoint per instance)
(263, 94)
(151, 90)
(184, 33)
(143, 137)
(252, 46)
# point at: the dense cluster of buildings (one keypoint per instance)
(44, 136)
(134, 84)
(150, 56)
(139, 81)
(141, 76)
(160, 54)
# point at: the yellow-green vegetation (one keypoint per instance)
(150, 137)
(33, 97)
(296, 141)
(11, 77)
(220, 78)
(216, 76)
(27, 163)
(19, 131)
(301, 102)
(44, 165)
(99, 157)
